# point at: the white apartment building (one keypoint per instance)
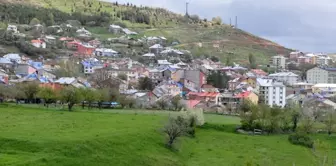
(279, 62)
(323, 60)
(321, 75)
(287, 78)
(273, 92)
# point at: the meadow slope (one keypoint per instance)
(33, 136)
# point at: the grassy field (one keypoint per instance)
(35, 136)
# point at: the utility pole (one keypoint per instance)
(236, 25)
(230, 22)
(187, 4)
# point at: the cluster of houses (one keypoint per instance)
(299, 58)
(171, 75)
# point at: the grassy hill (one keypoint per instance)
(218, 40)
(35, 136)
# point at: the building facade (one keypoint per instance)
(271, 92)
(279, 61)
(288, 78)
(321, 75)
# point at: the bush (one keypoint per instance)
(301, 139)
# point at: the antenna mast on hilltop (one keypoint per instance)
(187, 4)
(236, 25)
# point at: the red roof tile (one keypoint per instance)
(243, 94)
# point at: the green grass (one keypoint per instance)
(36, 136)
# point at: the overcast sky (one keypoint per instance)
(306, 25)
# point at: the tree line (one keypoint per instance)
(31, 92)
(23, 14)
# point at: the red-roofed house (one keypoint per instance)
(248, 96)
(39, 43)
(204, 96)
(83, 50)
(259, 72)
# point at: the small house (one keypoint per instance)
(95, 43)
(3, 77)
(115, 29)
(163, 63)
(12, 28)
(24, 69)
(105, 52)
(156, 49)
(90, 65)
(83, 32)
(39, 43)
(4, 62)
(15, 58)
(129, 32)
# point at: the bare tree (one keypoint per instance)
(100, 76)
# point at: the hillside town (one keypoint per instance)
(171, 73)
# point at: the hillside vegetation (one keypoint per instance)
(202, 37)
(33, 136)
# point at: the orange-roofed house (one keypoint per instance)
(248, 96)
(39, 43)
(259, 72)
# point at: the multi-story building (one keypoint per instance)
(279, 61)
(295, 55)
(271, 92)
(288, 78)
(321, 75)
(323, 60)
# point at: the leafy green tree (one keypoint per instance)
(145, 83)
(71, 96)
(176, 102)
(228, 61)
(89, 96)
(51, 20)
(124, 101)
(252, 60)
(330, 121)
(175, 127)
(217, 20)
(30, 90)
(218, 79)
(102, 96)
(34, 21)
(214, 59)
(162, 104)
(122, 77)
(48, 95)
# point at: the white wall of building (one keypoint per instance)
(279, 61)
(317, 75)
(275, 96)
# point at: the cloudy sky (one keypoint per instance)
(306, 25)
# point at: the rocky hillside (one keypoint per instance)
(200, 36)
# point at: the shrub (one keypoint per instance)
(301, 139)
(175, 128)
